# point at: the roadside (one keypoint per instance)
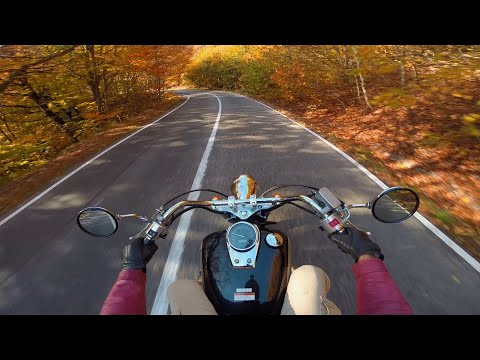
(449, 201)
(15, 192)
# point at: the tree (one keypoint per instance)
(23, 67)
(161, 66)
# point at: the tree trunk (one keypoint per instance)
(71, 113)
(164, 79)
(412, 62)
(93, 78)
(5, 135)
(19, 73)
(37, 98)
(4, 120)
(127, 93)
(105, 90)
(358, 89)
(402, 68)
(402, 73)
(362, 82)
(290, 57)
(346, 59)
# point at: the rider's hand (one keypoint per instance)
(355, 242)
(136, 255)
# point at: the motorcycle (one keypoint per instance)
(246, 267)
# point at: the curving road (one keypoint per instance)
(48, 266)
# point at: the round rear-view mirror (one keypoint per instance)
(97, 221)
(395, 205)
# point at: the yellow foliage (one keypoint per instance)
(468, 97)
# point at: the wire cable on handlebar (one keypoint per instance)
(183, 211)
(301, 207)
(284, 186)
(188, 192)
(291, 202)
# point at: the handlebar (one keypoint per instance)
(332, 220)
(392, 205)
(230, 205)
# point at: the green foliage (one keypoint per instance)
(445, 216)
(256, 78)
(366, 157)
(471, 125)
(395, 76)
(16, 160)
(432, 140)
(216, 68)
(393, 97)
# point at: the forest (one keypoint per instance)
(409, 113)
(65, 103)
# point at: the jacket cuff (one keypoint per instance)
(367, 266)
(135, 275)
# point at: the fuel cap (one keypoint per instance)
(274, 240)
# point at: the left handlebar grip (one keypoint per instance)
(154, 230)
(147, 241)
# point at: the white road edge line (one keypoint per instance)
(160, 304)
(85, 164)
(453, 245)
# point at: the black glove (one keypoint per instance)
(355, 242)
(136, 255)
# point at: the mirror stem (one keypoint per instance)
(143, 218)
(355, 206)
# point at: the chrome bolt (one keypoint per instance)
(249, 260)
(236, 261)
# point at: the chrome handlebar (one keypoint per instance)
(397, 204)
(331, 221)
(231, 204)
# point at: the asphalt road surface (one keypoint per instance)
(49, 266)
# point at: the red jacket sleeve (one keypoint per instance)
(127, 296)
(377, 293)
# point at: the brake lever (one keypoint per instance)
(356, 227)
(141, 231)
(163, 234)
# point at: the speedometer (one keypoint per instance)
(242, 235)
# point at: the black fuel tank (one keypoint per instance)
(268, 279)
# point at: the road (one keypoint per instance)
(48, 266)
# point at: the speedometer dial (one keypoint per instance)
(242, 235)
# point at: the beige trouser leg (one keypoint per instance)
(307, 293)
(186, 297)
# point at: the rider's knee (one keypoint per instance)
(306, 275)
(181, 286)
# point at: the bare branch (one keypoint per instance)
(21, 71)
